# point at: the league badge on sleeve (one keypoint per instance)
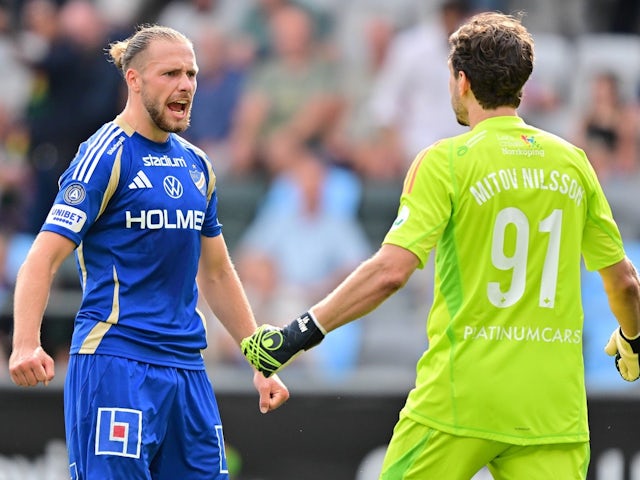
(74, 194)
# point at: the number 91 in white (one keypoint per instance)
(517, 261)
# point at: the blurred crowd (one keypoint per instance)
(311, 111)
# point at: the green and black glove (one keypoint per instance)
(271, 348)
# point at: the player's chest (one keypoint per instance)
(161, 181)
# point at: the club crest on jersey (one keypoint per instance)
(198, 179)
(74, 194)
(119, 432)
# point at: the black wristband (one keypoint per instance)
(303, 333)
(634, 342)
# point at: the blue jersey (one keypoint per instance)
(136, 209)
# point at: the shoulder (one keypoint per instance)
(102, 147)
(201, 163)
(197, 152)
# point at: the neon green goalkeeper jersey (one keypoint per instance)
(510, 210)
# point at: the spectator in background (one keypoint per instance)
(191, 16)
(356, 140)
(294, 255)
(15, 77)
(341, 187)
(255, 26)
(76, 92)
(410, 101)
(221, 81)
(14, 182)
(296, 91)
(15, 85)
(608, 129)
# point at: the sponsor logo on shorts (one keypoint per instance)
(73, 471)
(119, 432)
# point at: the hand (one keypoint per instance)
(271, 348)
(273, 392)
(626, 352)
(30, 367)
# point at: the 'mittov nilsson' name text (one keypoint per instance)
(526, 178)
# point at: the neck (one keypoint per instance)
(478, 114)
(140, 121)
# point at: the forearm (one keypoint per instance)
(625, 306)
(271, 348)
(228, 301)
(33, 285)
(30, 300)
(622, 287)
(366, 288)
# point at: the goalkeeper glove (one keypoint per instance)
(271, 348)
(626, 352)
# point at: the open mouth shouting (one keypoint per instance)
(180, 108)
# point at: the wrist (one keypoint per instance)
(304, 332)
(629, 338)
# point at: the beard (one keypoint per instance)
(155, 111)
(462, 116)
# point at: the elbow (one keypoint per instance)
(393, 266)
(629, 287)
(393, 281)
(624, 285)
(393, 278)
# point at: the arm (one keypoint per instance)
(220, 286)
(375, 280)
(367, 287)
(218, 282)
(29, 364)
(622, 287)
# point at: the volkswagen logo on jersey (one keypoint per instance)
(74, 194)
(172, 186)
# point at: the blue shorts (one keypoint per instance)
(126, 419)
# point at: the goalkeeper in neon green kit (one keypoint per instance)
(510, 211)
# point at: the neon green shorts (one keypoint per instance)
(418, 452)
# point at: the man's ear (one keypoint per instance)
(463, 83)
(132, 77)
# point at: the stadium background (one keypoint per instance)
(336, 422)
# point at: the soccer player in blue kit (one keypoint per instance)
(138, 206)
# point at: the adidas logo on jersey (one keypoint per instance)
(140, 181)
